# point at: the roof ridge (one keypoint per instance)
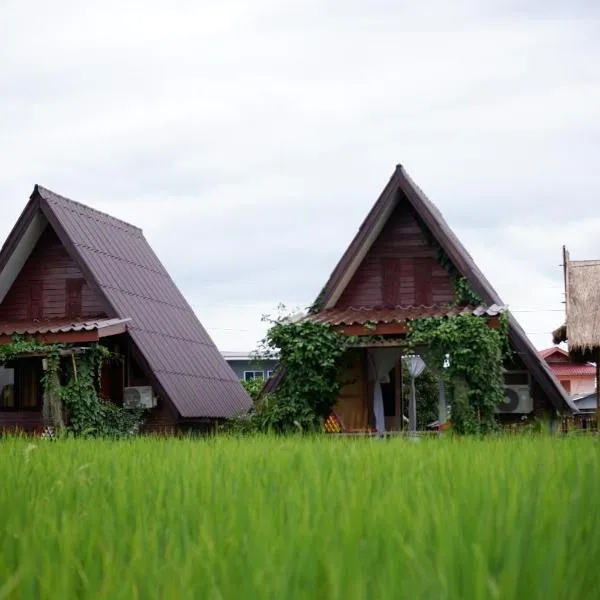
(49, 195)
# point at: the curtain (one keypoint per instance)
(381, 362)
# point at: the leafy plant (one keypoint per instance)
(427, 396)
(253, 387)
(310, 354)
(464, 294)
(470, 355)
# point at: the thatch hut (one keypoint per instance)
(581, 329)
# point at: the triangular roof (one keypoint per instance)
(402, 187)
(547, 352)
(120, 265)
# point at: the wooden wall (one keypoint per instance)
(50, 286)
(400, 268)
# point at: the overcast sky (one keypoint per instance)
(249, 138)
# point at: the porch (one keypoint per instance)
(380, 375)
(23, 397)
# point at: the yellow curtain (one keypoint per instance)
(29, 384)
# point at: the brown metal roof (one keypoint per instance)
(399, 314)
(402, 187)
(57, 326)
(120, 264)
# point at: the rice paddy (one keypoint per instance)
(300, 518)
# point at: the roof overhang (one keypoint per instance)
(366, 321)
(64, 332)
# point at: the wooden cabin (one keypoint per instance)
(397, 269)
(75, 276)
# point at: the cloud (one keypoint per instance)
(250, 139)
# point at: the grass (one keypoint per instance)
(291, 518)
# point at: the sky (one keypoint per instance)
(249, 139)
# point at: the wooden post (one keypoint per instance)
(598, 388)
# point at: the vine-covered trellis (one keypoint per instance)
(71, 380)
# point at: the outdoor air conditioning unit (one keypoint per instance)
(141, 396)
(517, 399)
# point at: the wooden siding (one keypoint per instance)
(400, 269)
(50, 286)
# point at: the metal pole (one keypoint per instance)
(442, 400)
(412, 407)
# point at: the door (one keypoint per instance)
(351, 407)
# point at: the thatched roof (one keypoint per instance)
(582, 285)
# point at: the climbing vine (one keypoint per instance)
(311, 355)
(464, 294)
(71, 379)
(469, 353)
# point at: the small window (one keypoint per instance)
(7, 388)
(250, 375)
(21, 385)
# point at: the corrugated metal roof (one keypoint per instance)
(568, 370)
(117, 259)
(553, 350)
(56, 326)
(398, 314)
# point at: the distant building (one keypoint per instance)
(577, 379)
(246, 366)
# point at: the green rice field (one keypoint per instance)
(300, 518)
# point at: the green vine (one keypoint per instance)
(312, 357)
(469, 353)
(464, 294)
(75, 407)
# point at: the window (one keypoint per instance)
(250, 375)
(21, 385)
(269, 374)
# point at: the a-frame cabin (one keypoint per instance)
(392, 273)
(70, 274)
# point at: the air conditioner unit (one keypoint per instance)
(141, 396)
(517, 399)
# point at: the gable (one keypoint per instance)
(400, 268)
(557, 358)
(49, 286)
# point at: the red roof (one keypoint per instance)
(398, 314)
(564, 370)
(553, 350)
